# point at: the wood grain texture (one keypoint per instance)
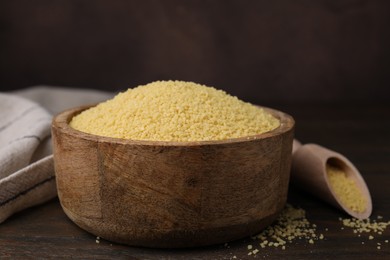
(357, 131)
(167, 194)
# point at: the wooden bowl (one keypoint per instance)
(171, 194)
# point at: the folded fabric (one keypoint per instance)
(27, 175)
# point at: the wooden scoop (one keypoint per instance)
(309, 172)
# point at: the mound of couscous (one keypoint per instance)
(175, 111)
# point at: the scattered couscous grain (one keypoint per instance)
(345, 188)
(290, 225)
(365, 225)
(174, 111)
(369, 226)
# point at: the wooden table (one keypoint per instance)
(361, 132)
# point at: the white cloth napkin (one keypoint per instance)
(26, 162)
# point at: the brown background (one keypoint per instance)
(262, 51)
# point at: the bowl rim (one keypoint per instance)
(62, 119)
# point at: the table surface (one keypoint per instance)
(361, 132)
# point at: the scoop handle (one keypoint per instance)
(296, 145)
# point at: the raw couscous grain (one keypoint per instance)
(372, 227)
(174, 111)
(346, 188)
(290, 225)
(366, 225)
